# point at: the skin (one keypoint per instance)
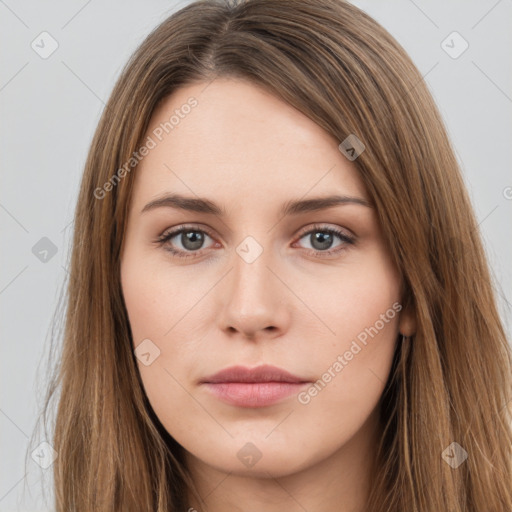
(250, 153)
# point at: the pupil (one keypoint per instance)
(192, 240)
(321, 240)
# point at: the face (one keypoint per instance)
(254, 279)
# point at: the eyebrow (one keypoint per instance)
(293, 207)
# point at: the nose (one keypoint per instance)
(255, 302)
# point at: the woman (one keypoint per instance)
(278, 295)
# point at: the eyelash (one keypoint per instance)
(167, 236)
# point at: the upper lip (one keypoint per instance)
(263, 373)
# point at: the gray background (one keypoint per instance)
(49, 110)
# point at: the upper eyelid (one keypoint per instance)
(324, 227)
(177, 230)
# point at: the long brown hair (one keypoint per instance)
(450, 382)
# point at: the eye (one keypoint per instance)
(191, 241)
(322, 239)
(187, 241)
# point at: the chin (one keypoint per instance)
(257, 458)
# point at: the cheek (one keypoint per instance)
(165, 307)
(156, 312)
(359, 298)
(157, 301)
(354, 366)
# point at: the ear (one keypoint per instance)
(407, 323)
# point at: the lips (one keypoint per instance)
(253, 387)
(264, 373)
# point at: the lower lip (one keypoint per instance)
(254, 394)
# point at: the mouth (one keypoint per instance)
(257, 387)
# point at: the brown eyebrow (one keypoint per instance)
(293, 207)
(191, 204)
(320, 203)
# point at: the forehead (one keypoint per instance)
(233, 140)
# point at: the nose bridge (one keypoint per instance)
(252, 279)
(252, 299)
